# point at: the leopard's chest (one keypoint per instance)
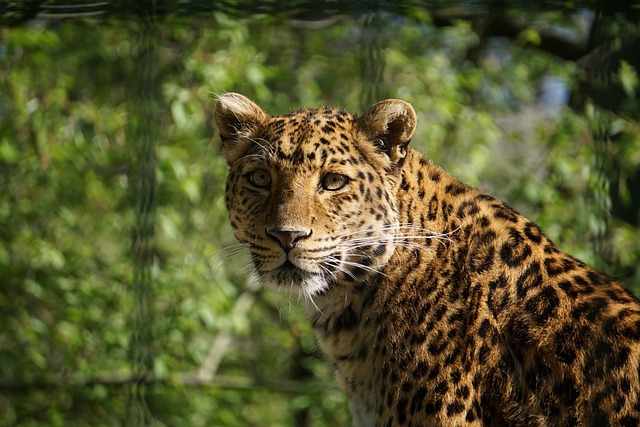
(356, 375)
(347, 332)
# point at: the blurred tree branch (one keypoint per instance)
(222, 341)
(500, 24)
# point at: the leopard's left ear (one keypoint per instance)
(390, 125)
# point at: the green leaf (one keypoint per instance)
(628, 76)
(8, 153)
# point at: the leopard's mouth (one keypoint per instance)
(289, 273)
(290, 276)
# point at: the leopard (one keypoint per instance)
(435, 303)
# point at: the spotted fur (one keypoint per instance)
(437, 304)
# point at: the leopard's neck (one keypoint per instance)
(427, 195)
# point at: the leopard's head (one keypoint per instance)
(312, 193)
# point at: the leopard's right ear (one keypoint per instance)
(238, 119)
(390, 124)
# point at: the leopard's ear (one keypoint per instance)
(238, 120)
(389, 124)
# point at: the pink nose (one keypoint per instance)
(288, 238)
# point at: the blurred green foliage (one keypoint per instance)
(68, 153)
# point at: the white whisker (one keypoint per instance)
(364, 267)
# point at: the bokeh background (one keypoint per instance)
(123, 297)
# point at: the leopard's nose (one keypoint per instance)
(288, 238)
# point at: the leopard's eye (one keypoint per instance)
(260, 178)
(334, 181)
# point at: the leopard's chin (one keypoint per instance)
(292, 278)
(288, 266)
